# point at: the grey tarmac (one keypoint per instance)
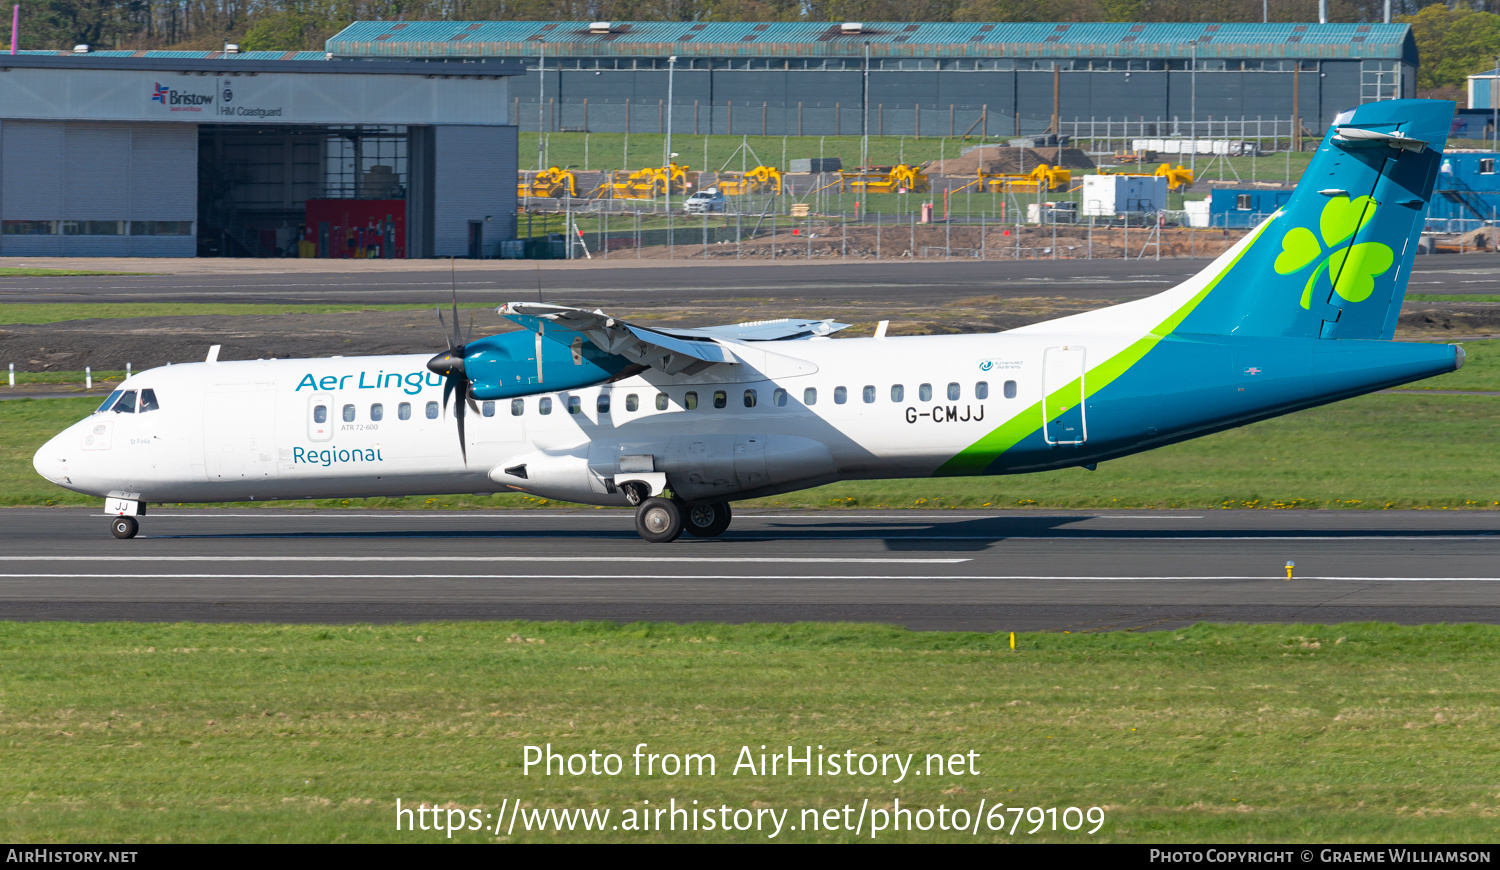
(620, 281)
(1015, 570)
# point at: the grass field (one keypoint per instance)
(20, 313)
(18, 272)
(1414, 451)
(265, 733)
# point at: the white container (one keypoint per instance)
(1196, 212)
(1122, 194)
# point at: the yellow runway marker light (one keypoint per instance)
(1289, 566)
(1012, 640)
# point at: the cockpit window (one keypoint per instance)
(107, 403)
(126, 405)
(148, 401)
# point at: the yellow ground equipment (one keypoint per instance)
(1179, 178)
(552, 182)
(649, 183)
(885, 179)
(761, 179)
(1042, 178)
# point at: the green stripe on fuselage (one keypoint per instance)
(980, 455)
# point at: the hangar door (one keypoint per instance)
(75, 188)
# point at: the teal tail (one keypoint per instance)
(1333, 263)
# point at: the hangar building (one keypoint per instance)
(158, 153)
(807, 78)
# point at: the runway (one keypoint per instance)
(621, 280)
(951, 570)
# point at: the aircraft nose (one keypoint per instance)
(51, 460)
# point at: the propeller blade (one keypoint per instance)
(448, 386)
(442, 326)
(463, 444)
(453, 282)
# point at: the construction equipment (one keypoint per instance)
(885, 179)
(1042, 178)
(649, 183)
(761, 179)
(551, 182)
(1179, 178)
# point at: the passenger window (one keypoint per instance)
(432, 410)
(148, 401)
(810, 396)
(982, 390)
(690, 401)
(109, 401)
(632, 403)
(953, 392)
(868, 394)
(661, 401)
(320, 414)
(721, 398)
(840, 395)
(778, 398)
(750, 398)
(575, 405)
(1010, 389)
(488, 409)
(544, 405)
(924, 392)
(603, 403)
(898, 392)
(126, 405)
(348, 413)
(517, 407)
(377, 412)
(403, 411)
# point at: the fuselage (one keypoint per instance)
(789, 415)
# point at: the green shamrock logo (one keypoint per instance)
(1356, 266)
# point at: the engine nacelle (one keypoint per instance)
(522, 363)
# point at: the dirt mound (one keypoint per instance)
(1003, 159)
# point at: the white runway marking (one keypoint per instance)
(239, 576)
(622, 514)
(482, 559)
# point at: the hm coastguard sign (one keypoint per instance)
(233, 105)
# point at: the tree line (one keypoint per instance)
(1455, 38)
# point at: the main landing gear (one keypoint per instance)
(662, 520)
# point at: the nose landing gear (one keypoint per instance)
(124, 527)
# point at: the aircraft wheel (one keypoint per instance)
(124, 527)
(706, 520)
(659, 520)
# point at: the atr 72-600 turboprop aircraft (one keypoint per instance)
(584, 407)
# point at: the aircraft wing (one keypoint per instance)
(672, 351)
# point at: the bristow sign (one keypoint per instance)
(180, 101)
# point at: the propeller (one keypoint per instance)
(450, 364)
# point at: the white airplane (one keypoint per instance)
(584, 407)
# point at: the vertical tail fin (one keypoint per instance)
(1335, 260)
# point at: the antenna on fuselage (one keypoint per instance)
(539, 281)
